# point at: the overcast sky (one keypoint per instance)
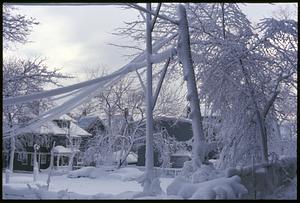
(75, 38)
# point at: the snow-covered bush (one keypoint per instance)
(220, 188)
(201, 174)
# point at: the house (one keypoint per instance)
(64, 131)
(92, 124)
(181, 130)
(100, 127)
(178, 128)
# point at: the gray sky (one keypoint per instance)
(75, 38)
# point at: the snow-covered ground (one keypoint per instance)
(112, 184)
(102, 183)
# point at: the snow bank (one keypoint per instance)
(40, 192)
(124, 174)
(220, 188)
(83, 172)
(198, 175)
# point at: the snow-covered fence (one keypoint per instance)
(263, 179)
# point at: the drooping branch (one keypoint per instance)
(155, 17)
(161, 79)
(153, 13)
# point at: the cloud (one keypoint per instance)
(75, 37)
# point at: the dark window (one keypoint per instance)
(63, 123)
(22, 157)
(43, 158)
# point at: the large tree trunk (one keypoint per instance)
(12, 154)
(149, 172)
(199, 147)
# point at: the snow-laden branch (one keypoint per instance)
(133, 65)
(161, 79)
(83, 95)
(153, 13)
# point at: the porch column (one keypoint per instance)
(57, 161)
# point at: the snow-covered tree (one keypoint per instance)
(243, 71)
(16, 27)
(23, 77)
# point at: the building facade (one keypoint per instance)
(63, 131)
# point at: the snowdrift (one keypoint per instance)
(220, 188)
(124, 174)
(264, 179)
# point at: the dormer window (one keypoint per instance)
(63, 123)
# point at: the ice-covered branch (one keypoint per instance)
(133, 65)
(153, 13)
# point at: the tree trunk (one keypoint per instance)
(12, 146)
(260, 119)
(199, 147)
(51, 166)
(12, 154)
(149, 172)
(71, 158)
(35, 166)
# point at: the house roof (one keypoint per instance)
(52, 128)
(46, 128)
(117, 120)
(87, 121)
(66, 117)
(180, 128)
(76, 130)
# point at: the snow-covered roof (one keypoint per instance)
(86, 121)
(76, 130)
(66, 117)
(46, 128)
(182, 153)
(173, 118)
(131, 158)
(117, 120)
(52, 128)
(63, 150)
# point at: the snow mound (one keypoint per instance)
(131, 158)
(124, 174)
(198, 175)
(83, 172)
(220, 188)
(40, 192)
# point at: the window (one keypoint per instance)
(63, 123)
(30, 141)
(43, 158)
(32, 160)
(22, 157)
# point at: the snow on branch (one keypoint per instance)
(132, 66)
(153, 13)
